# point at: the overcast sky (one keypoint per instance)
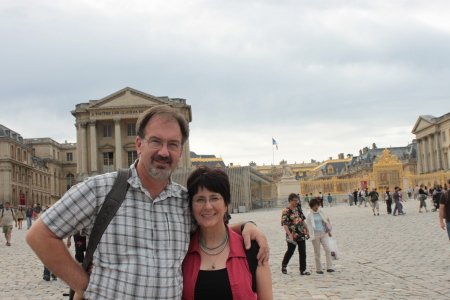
(320, 77)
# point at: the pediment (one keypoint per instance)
(421, 124)
(127, 97)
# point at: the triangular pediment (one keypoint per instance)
(127, 97)
(422, 123)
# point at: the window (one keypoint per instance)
(107, 130)
(108, 162)
(132, 156)
(69, 156)
(69, 181)
(131, 129)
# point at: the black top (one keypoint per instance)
(213, 285)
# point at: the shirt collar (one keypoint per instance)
(172, 189)
(233, 238)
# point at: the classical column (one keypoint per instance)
(93, 134)
(432, 156)
(77, 126)
(118, 139)
(83, 148)
(437, 145)
(419, 158)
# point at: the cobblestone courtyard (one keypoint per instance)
(383, 257)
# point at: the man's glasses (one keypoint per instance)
(158, 144)
(202, 201)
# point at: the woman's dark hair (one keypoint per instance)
(292, 196)
(215, 180)
(313, 202)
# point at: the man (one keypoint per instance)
(410, 192)
(38, 210)
(373, 195)
(396, 197)
(444, 211)
(7, 218)
(141, 252)
(321, 199)
(355, 197)
(29, 214)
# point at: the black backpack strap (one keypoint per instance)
(253, 262)
(109, 208)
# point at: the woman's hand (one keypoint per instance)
(78, 296)
(329, 234)
(290, 236)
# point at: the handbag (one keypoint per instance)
(108, 210)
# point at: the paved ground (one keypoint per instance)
(385, 257)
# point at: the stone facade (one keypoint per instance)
(106, 130)
(433, 140)
(33, 170)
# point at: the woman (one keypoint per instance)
(20, 215)
(216, 265)
(350, 198)
(330, 200)
(366, 198)
(422, 198)
(388, 200)
(292, 220)
(319, 230)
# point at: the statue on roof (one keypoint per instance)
(287, 171)
(374, 146)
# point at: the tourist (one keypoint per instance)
(330, 200)
(293, 222)
(319, 230)
(444, 211)
(396, 197)
(29, 214)
(410, 192)
(20, 214)
(213, 267)
(388, 200)
(366, 197)
(79, 242)
(321, 199)
(350, 198)
(437, 193)
(7, 219)
(422, 198)
(374, 201)
(416, 192)
(306, 198)
(35, 215)
(138, 256)
(355, 197)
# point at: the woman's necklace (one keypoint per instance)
(203, 245)
(216, 254)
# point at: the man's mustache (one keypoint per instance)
(162, 159)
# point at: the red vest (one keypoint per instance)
(237, 268)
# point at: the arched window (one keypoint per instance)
(330, 169)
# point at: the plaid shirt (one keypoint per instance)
(141, 252)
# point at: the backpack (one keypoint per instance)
(253, 262)
(12, 211)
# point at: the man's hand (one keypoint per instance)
(252, 233)
(443, 225)
(69, 243)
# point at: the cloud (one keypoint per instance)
(344, 74)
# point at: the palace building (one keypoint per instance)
(433, 140)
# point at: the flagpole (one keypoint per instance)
(273, 154)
